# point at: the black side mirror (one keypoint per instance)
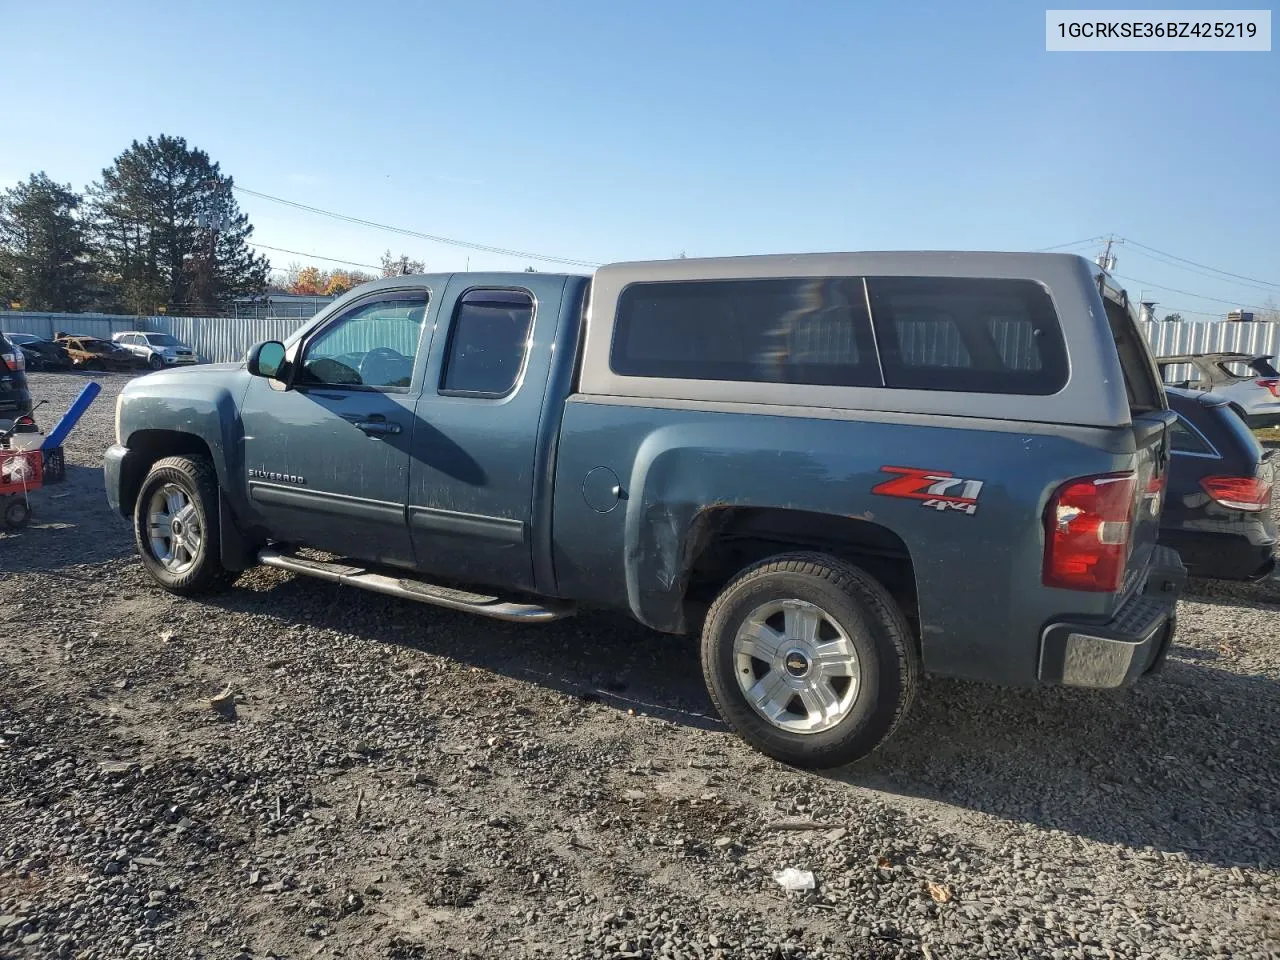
(266, 359)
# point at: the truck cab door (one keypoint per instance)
(327, 454)
(482, 436)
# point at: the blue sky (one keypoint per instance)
(602, 131)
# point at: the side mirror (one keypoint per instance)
(265, 359)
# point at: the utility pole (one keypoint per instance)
(1105, 260)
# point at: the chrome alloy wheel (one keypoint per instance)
(796, 666)
(173, 526)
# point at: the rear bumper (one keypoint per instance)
(1257, 421)
(1132, 643)
(1227, 556)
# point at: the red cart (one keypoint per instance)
(21, 471)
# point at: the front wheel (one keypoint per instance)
(175, 526)
(155, 363)
(810, 660)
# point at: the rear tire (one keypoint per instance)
(175, 526)
(809, 659)
(17, 514)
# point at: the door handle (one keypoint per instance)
(378, 428)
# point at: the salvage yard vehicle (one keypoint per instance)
(1217, 512)
(155, 350)
(90, 353)
(841, 469)
(40, 354)
(1249, 382)
(15, 399)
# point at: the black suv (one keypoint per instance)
(14, 398)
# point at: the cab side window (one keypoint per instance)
(371, 346)
(488, 343)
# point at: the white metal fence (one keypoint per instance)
(224, 339)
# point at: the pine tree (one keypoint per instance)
(44, 253)
(169, 231)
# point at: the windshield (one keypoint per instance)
(162, 340)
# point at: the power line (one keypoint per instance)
(466, 244)
(313, 256)
(1073, 243)
(1188, 293)
(1201, 273)
(1225, 273)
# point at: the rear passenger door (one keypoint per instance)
(474, 449)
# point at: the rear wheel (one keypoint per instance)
(17, 514)
(809, 659)
(175, 526)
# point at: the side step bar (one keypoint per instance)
(365, 579)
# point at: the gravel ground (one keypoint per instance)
(389, 780)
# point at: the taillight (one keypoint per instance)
(14, 361)
(1270, 384)
(1087, 529)
(1238, 493)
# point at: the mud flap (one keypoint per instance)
(238, 553)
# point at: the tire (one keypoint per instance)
(184, 559)
(155, 363)
(17, 514)
(854, 613)
(95, 365)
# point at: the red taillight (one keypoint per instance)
(1087, 529)
(14, 361)
(1238, 493)
(1271, 384)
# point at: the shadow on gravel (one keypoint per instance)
(1185, 762)
(70, 524)
(596, 656)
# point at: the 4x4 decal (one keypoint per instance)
(939, 489)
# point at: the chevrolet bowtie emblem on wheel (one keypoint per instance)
(938, 489)
(260, 474)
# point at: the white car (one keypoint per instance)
(156, 350)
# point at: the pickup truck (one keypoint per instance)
(841, 470)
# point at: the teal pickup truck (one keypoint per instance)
(840, 469)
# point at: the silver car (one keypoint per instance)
(1249, 382)
(156, 350)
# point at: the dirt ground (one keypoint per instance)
(391, 780)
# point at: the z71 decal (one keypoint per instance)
(939, 489)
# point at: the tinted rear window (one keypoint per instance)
(970, 334)
(811, 330)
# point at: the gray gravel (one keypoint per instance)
(383, 779)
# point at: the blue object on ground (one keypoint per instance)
(69, 419)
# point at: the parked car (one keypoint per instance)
(156, 350)
(40, 354)
(1218, 513)
(1249, 382)
(840, 469)
(90, 353)
(15, 400)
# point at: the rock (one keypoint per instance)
(116, 768)
(224, 703)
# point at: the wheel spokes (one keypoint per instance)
(759, 640)
(770, 694)
(801, 623)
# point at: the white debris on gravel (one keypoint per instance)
(403, 782)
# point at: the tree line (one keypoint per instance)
(311, 281)
(160, 231)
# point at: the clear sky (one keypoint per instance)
(606, 131)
